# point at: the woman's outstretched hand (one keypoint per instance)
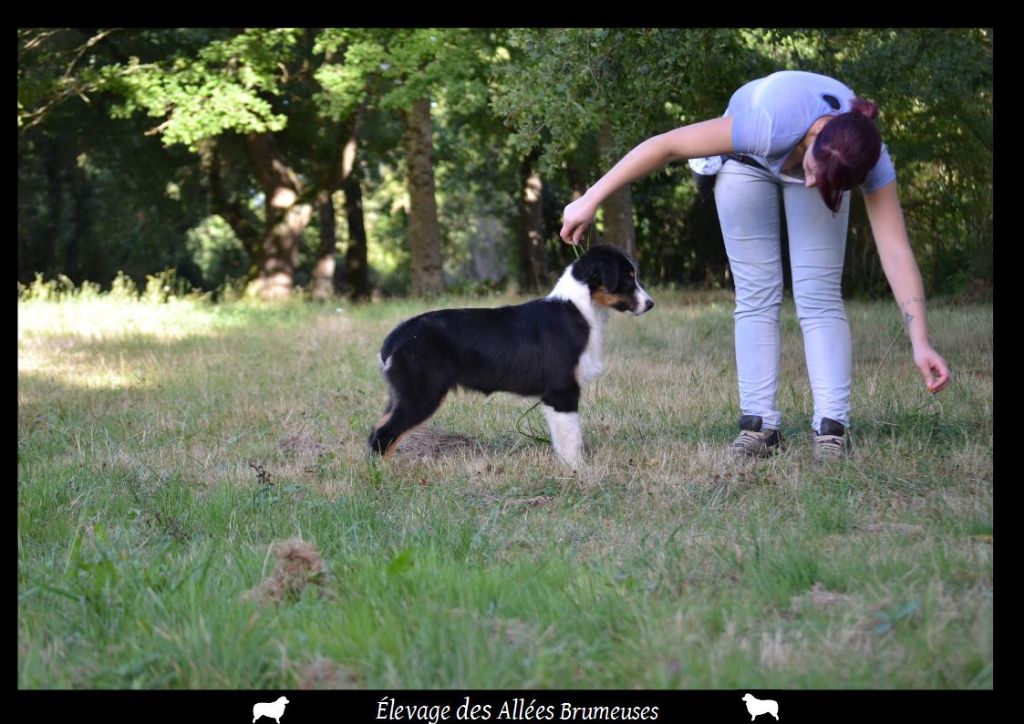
(933, 368)
(576, 217)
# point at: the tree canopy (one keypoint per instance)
(251, 156)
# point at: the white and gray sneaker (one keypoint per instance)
(753, 441)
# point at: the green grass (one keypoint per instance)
(163, 448)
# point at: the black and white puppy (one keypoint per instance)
(548, 348)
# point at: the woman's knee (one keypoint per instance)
(819, 298)
(763, 301)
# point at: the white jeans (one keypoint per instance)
(748, 210)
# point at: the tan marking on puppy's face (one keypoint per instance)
(602, 296)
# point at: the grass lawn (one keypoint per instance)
(166, 450)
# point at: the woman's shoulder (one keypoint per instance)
(773, 113)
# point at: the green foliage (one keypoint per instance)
(217, 252)
(561, 85)
(382, 72)
(159, 288)
(123, 287)
(41, 289)
(95, 196)
(393, 68)
(221, 89)
(164, 285)
(108, 119)
(477, 177)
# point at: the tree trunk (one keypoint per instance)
(56, 168)
(356, 264)
(533, 265)
(424, 232)
(278, 252)
(343, 176)
(618, 208)
(324, 264)
(81, 196)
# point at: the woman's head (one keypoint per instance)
(847, 147)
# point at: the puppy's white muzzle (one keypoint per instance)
(643, 301)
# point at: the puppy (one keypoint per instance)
(548, 348)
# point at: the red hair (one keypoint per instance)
(845, 150)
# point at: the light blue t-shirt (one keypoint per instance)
(770, 116)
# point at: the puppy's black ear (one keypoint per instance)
(597, 268)
(609, 268)
(583, 269)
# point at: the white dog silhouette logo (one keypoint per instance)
(272, 710)
(757, 707)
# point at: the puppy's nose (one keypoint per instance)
(648, 304)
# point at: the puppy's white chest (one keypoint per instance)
(591, 364)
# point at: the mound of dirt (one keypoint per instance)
(427, 443)
(298, 566)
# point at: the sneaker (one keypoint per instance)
(830, 442)
(753, 441)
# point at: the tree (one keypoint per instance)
(95, 195)
(464, 144)
(229, 96)
(222, 89)
(617, 87)
(533, 266)
(407, 71)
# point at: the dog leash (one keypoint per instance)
(576, 247)
(519, 428)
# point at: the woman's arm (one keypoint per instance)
(707, 138)
(900, 267)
